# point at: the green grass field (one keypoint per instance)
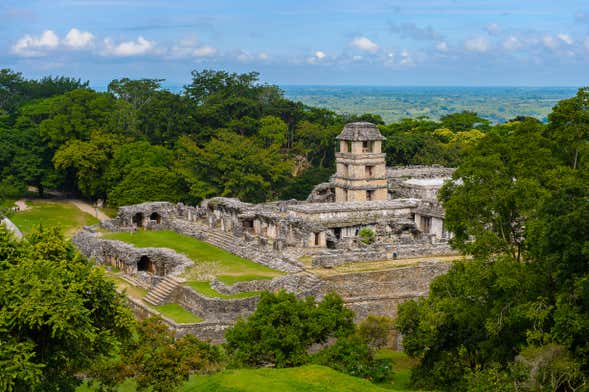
(204, 287)
(178, 313)
(309, 378)
(218, 262)
(132, 291)
(402, 366)
(51, 213)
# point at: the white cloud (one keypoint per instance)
(317, 57)
(406, 58)
(493, 28)
(477, 44)
(565, 38)
(512, 43)
(30, 46)
(138, 47)
(442, 46)
(550, 42)
(77, 39)
(364, 44)
(263, 56)
(244, 56)
(320, 55)
(204, 51)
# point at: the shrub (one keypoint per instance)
(366, 235)
(376, 331)
(353, 356)
(283, 327)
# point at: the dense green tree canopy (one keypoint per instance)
(515, 318)
(283, 328)
(58, 313)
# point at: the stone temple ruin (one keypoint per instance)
(397, 206)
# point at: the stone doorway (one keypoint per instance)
(145, 264)
(155, 217)
(138, 219)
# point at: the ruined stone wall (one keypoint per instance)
(212, 331)
(336, 257)
(419, 171)
(213, 309)
(380, 292)
(126, 257)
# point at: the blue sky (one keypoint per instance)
(370, 42)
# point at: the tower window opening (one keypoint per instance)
(370, 195)
(369, 171)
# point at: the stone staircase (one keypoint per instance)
(161, 291)
(250, 251)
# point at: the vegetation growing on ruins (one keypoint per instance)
(515, 318)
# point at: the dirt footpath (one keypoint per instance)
(88, 208)
(22, 205)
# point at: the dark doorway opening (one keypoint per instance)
(155, 217)
(138, 219)
(145, 264)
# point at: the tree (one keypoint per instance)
(58, 313)
(496, 189)
(158, 360)
(75, 115)
(569, 128)
(234, 166)
(476, 315)
(272, 131)
(464, 121)
(147, 184)
(283, 328)
(87, 161)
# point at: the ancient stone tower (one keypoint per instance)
(361, 173)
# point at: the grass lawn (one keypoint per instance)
(52, 213)
(402, 366)
(205, 288)
(178, 313)
(232, 279)
(111, 212)
(217, 261)
(133, 291)
(308, 378)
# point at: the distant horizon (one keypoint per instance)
(179, 85)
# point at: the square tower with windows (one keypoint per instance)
(361, 165)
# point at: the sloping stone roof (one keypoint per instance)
(360, 131)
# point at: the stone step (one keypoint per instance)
(161, 291)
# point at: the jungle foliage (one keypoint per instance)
(225, 134)
(516, 317)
